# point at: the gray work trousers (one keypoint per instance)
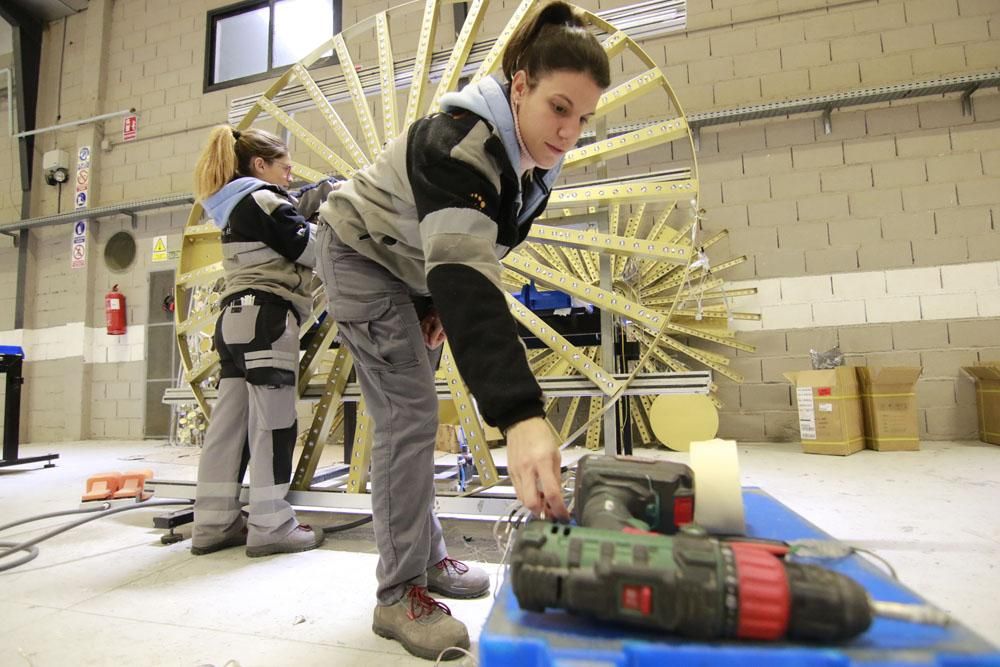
(377, 320)
(253, 423)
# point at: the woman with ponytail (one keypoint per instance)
(409, 250)
(268, 256)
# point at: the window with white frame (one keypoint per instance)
(258, 39)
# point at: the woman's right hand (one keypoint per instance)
(533, 462)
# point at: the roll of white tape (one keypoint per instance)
(718, 496)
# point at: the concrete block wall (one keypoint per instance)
(882, 236)
(901, 186)
(738, 52)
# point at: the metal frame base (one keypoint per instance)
(494, 502)
(31, 459)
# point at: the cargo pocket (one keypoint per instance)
(239, 324)
(273, 405)
(274, 359)
(380, 333)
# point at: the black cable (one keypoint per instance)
(347, 526)
(29, 546)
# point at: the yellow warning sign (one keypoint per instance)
(160, 253)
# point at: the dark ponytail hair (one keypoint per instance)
(555, 38)
(228, 154)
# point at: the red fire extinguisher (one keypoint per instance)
(114, 311)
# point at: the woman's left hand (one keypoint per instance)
(432, 329)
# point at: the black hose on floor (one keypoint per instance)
(347, 526)
(99, 512)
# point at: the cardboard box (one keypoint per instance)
(987, 379)
(447, 439)
(889, 400)
(830, 420)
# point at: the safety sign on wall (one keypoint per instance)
(81, 200)
(160, 253)
(78, 248)
(129, 126)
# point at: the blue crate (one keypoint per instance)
(534, 300)
(512, 636)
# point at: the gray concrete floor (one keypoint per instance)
(111, 593)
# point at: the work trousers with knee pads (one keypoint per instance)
(378, 322)
(253, 423)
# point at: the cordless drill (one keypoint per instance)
(688, 584)
(681, 581)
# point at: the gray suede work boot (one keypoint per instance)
(236, 536)
(454, 579)
(302, 538)
(424, 626)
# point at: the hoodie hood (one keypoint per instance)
(220, 205)
(489, 100)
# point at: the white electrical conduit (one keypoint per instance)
(74, 123)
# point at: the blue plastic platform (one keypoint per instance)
(558, 639)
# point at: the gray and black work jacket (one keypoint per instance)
(438, 208)
(267, 247)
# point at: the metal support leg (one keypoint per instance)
(11, 364)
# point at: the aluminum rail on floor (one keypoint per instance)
(644, 384)
(487, 507)
(328, 489)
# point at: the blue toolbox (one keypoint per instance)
(556, 638)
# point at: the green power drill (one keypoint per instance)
(689, 584)
(681, 581)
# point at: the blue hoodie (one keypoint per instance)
(490, 100)
(222, 203)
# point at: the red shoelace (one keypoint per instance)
(421, 603)
(457, 565)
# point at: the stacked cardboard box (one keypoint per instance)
(890, 407)
(987, 379)
(830, 415)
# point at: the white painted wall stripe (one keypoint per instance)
(954, 291)
(75, 340)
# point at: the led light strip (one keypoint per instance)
(358, 96)
(387, 74)
(421, 62)
(331, 116)
(308, 138)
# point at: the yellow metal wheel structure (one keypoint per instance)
(615, 235)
